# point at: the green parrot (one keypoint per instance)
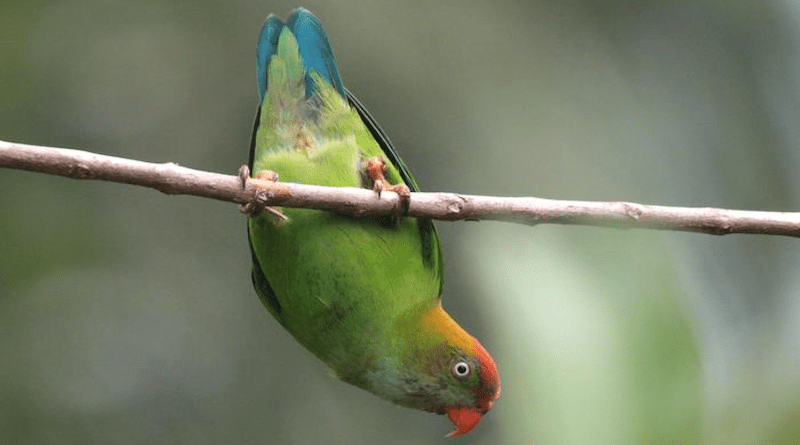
(362, 294)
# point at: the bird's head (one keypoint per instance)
(448, 372)
(477, 373)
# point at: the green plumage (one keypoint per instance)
(362, 294)
(342, 285)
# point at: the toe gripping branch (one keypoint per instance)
(376, 170)
(260, 198)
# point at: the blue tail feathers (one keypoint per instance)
(266, 47)
(312, 41)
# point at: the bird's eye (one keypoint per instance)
(461, 369)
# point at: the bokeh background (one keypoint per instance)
(127, 316)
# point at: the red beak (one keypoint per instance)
(465, 418)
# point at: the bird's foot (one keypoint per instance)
(260, 197)
(376, 170)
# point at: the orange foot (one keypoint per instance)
(258, 203)
(376, 170)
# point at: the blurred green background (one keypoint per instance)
(127, 316)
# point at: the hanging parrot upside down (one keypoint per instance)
(362, 294)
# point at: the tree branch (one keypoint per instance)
(172, 179)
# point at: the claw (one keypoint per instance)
(244, 173)
(376, 170)
(260, 197)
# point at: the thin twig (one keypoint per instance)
(172, 179)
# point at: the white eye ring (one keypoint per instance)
(461, 369)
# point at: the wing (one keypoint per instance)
(431, 252)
